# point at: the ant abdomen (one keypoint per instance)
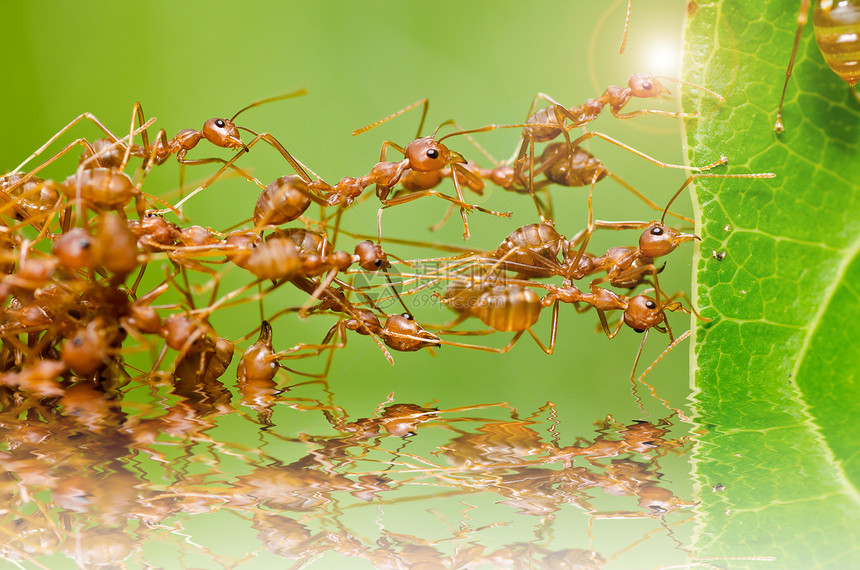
(104, 187)
(508, 308)
(836, 31)
(538, 239)
(307, 241)
(107, 154)
(258, 363)
(282, 201)
(539, 129)
(581, 169)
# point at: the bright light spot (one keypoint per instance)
(663, 60)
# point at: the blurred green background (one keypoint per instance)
(477, 62)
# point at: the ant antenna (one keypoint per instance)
(297, 93)
(716, 95)
(425, 102)
(485, 129)
(626, 28)
(722, 160)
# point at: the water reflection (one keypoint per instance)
(88, 482)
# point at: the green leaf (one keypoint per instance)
(776, 369)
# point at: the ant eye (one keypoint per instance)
(220, 123)
(657, 508)
(646, 86)
(84, 244)
(378, 263)
(407, 316)
(651, 304)
(432, 153)
(657, 231)
(639, 330)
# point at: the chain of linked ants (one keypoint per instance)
(74, 252)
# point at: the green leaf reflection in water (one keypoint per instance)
(776, 368)
(87, 482)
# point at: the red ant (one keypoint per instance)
(424, 155)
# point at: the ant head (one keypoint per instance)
(85, 351)
(75, 249)
(404, 333)
(659, 239)
(660, 501)
(645, 86)
(184, 331)
(643, 313)
(144, 318)
(371, 256)
(223, 133)
(402, 420)
(427, 154)
(242, 245)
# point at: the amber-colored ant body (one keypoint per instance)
(509, 307)
(837, 32)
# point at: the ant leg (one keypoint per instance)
(298, 167)
(590, 228)
(552, 334)
(802, 17)
(324, 284)
(591, 134)
(479, 347)
(76, 120)
(460, 203)
(651, 388)
(383, 152)
(438, 225)
(215, 176)
(605, 325)
(531, 185)
(61, 153)
(462, 199)
(136, 113)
